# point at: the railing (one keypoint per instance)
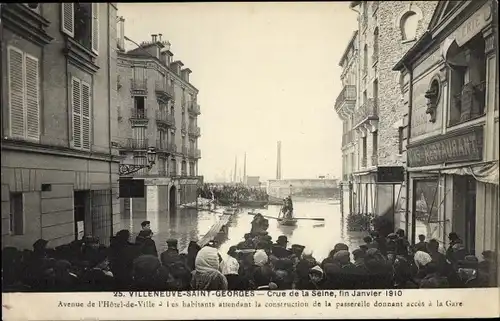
(163, 88)
(133, 143)
(348, 94)
(165, 117)
(139, 84)
(194, 131)
(365, 112)
(138, 114)
(194, 108)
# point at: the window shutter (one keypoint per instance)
(16, 93)
(86, 112)
(68, 18)
(95, 27)
(77, 113)
(32, 98)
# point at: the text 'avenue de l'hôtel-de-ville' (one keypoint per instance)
(78, 106)
(420, 113)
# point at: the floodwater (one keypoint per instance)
(189, 224)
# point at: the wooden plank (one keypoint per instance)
(214, 230)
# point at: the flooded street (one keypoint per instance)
(189, 224)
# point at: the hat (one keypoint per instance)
(172, 242)
(144, 223)
(40, 244)
(453, 236)
(282, 239)
(358, 253)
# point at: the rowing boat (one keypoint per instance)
(287, 221)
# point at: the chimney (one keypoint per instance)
(121, 33)
(159, 37)
(153, 38)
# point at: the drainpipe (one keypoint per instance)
(407, 201)
(109, 122)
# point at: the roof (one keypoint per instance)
(349, 45)
(178, 62)
(354, 4)
(187, 70)
(412, 53)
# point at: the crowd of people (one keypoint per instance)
(255, 263)
(232, 193)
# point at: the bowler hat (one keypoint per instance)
(282, 239)
(172, 242)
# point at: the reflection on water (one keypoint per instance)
(189, 224)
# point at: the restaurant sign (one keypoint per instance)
(463, 147)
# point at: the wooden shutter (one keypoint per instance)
(95, 27)
(68, 18)
(76, 99)
(16, 93)
(86, 115)
(32, 97)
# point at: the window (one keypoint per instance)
(365, 60)
(139, 137)
(81, 111)
(173, 167)
(81, 22)
(400, 139)
(24, 91)
(375, 93)
(408, 25)
(375, 149)
(16, 214)
(375, 45)
(142, 161)
(468, 82)
(139, 107)
(365, 151)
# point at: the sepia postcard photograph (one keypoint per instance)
(250, 160)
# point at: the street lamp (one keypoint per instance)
(126, 169)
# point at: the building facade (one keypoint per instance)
(158, 109)
(451, 93)
(373, 126)
(59, 167)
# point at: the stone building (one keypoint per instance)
(373, 121)
(59, 167)
(450, 83)
(158, 108)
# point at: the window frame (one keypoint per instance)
(24, 55)
(68, 17)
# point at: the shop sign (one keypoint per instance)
(461, 147)
(473, 25)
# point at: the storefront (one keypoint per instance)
(452, 147)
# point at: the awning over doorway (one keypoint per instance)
(485, 172)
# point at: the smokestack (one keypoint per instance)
(245, 169)
(278, 161)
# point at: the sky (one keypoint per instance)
(265, 72)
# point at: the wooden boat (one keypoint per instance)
(287, 221)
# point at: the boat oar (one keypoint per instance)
(266, 216)
(309, 218)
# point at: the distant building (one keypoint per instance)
(59, 165)
(253, 181)
(158, 107)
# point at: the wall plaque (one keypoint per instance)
(453, 147)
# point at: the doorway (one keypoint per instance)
(172, 200)
(81, 210)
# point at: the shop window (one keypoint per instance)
(468, 81)
(16, 214)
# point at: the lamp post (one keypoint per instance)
(127, 169)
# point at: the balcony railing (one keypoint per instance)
(194, 153)
(139, 85)
(194, 108)
(365, 112)
(194, 131)
(136, 144)
(138, 114)
(165, 118)
(162, 88)
(346, 96)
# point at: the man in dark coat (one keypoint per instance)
(171, 254)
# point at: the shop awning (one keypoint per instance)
(485, 172)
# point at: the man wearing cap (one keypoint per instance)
(171, 254)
